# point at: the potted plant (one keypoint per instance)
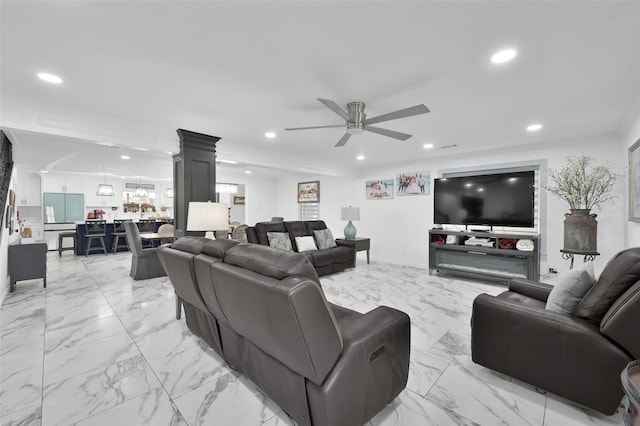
(583, 184)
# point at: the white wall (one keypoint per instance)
(399, 228)
(260, 195)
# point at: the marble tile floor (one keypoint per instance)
(97, 348)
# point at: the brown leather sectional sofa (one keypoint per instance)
(325, 261)
(578, 356)
(263, 310)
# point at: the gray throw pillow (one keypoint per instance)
(325, 239)
(280, 240)
(571, 288)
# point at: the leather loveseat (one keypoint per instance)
(578, 356)
(264, 311)
(325, 261)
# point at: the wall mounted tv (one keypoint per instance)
(501, 199)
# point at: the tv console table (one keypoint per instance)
(491, 255)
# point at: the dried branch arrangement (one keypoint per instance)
(582, 183)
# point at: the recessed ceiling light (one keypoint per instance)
(270, 135)
(44, 171)
(534, 127)
(360, 157)
(427, 146)
(503, 56)
(49, 78)
(125, 157)
(248, 172)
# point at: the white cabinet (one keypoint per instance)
(28, 191)
(62, 183)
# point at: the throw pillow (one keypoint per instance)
(571, 288)
(280, 240)
(305, 244)
(325, 239)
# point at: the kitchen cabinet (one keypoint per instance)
(28, 189)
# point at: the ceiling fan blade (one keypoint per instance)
(315, 127)
(335, 108)
(387, 132)
(401, 113)
(343, 140)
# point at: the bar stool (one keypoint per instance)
(61, 237)
(95, 230)
(147, 226)
(119, 232)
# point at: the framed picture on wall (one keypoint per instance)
(238, 200)
(309, 192)
(634, 182)
(381, 189)
(413, 183)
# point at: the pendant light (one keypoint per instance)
(140, 190)
(105, 190)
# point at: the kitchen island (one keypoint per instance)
(81, 240)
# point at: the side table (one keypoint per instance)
(588, 255)
(358, 244)
(27, 262)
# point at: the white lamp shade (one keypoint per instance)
(351, 213)
(207, 216)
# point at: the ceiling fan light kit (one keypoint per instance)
(356, 120)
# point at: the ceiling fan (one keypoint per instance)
(357, 122)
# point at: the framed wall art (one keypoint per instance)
(381, 189)
(238, 200)
(634, 182)
(413, 183)
(309, 192)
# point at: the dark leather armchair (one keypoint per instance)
(577, 356)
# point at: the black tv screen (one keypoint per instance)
(502, 199)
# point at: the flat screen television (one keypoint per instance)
(500, 199)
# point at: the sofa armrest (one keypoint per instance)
(555, 352)
(374, 364)
(534, 289)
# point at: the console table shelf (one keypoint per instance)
(490, 255)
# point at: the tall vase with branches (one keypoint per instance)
(584, 185)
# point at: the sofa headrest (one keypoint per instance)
(217, 248)
(263, 227)
(297, 228)
(269, 261)
(189, 244)
(315, 225)
(622, 271)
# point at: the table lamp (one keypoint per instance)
(208, 217)
(350, 213)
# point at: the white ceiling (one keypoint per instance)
(136, 71)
